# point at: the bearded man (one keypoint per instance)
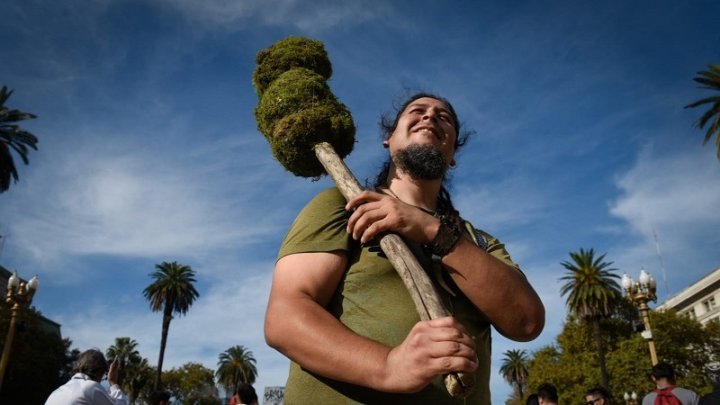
(342, 314)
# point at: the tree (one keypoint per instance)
(569, 363)
(39, 358)
(124, 351)
(12, 137)
(172, 292)
(192, 384)
(138, 375)
(514, 369)
(710, 79)
(592, 295)
(236, 365)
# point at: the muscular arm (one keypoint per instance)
(298, 325)
(499, 291)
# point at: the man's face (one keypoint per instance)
(425, 122)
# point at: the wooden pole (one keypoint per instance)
(426, 298)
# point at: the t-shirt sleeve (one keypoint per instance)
(320, 226)
(495, 248)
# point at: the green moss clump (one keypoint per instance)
(294, 90)
(286, 54)
(297, 110)
(296, 134)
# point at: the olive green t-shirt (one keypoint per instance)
(372, 300)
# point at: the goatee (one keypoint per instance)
(422, 162)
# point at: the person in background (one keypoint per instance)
(712, 371)
(159, 397)
(247, 395)
(532, 399)
(597, 396)
(547, 394)
(84, 387)
(663, 376)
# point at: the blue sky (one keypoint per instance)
(149, 150)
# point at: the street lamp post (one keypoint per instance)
(630, 399)
(639, 293)
(18, 295)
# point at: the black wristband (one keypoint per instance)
(447, 236)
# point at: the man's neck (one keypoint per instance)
(421, 193)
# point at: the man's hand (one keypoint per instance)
(432, 348)
(375, 213)
(113, 372)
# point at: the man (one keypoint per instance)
(597, 396)
(663, 376)
(84, 387)
(341, 313)
(547, 394)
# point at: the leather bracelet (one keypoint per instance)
(447, 236)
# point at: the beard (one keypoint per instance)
(421, 162)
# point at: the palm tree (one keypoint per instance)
(592, 294)
(12, 137)
(236, 365)
(515, 370)
(710, 79)
(138, 374)
(123, 351)
(172, 292)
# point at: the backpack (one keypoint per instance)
(666, 397)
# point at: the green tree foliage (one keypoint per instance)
(135, 373)
(571, 364)
(236, 365)
(514, 369)
(138, 379)
(192, 384)
(172, 292)
(592, 294)
(39, 360)
(12, 137)
(123, 351)
(710, 79)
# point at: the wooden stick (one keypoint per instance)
(423, 293)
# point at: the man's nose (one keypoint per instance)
(430, 115)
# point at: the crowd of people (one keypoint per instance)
(666, 392)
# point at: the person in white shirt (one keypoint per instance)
(84, 387)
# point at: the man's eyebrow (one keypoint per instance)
(426, 105)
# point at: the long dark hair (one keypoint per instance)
(388, 124)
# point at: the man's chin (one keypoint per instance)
(421, 161)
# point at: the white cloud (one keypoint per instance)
(672, 197)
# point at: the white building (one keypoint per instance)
(699, 301)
